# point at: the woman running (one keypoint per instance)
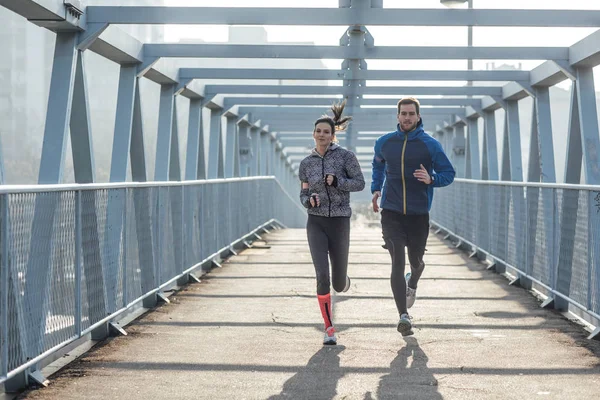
(328, 175)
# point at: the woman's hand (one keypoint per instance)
(329, 179)
(314, 200)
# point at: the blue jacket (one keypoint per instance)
(397, 156)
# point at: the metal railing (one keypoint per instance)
(73, 257)
(547, 233)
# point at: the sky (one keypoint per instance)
(396, 36)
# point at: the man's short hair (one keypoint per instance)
(409, 100)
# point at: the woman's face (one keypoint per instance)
(322, 134)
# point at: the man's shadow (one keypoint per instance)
(318, 380)
(409, 381)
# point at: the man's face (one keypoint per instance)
(408, 117)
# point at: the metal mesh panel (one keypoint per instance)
(594, 283)
(471, 217)
(552, 234)
(60, 314)
(579, 272)
(93, 221)
(541, 231)
(516, 238)
(29, 269)
(166, 257)
(4, 280)
(111, 245)
(205, 223)
(132, 288)
(16, 341)
(213, 217)
(129, 238)
(500, 212)
(193, 224)
(532, 202)
(176, 198)
(145, 200)
(483, 220)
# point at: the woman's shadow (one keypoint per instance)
(414, 381)
(318, 380)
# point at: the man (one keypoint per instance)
(411, 163)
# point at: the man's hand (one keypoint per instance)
(314, 200)
(422, 175)
(376, 195)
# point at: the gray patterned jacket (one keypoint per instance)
(335, 199)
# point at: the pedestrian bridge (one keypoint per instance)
(216, 204)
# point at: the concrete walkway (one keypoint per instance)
(253, 330)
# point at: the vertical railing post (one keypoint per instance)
(124, 254)
(78, 262)
(4, 273)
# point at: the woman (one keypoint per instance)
(328, 175)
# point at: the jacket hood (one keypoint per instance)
(332, 146)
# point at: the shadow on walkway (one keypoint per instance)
(318, 380)
(409, 376)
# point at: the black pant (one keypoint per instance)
(329, 238)
(401, 231)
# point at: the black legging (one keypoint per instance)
(401, 231)
(329, 238)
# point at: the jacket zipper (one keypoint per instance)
(403, 181)
(325, 180)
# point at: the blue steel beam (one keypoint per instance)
(515, 91)
(161, 71)
(340, 16)
(255, 148)
(505, 166)
(363, 121)
(191, 89)
(2, 171)
(354, 52)
(368, 90)
(137, 150)
(574, 146)
(194, 160)
(287, 112)
(118, 173)
(588, 120)
(265, 151)
(245, 146)
(542, 130)
(174, 159)
(514, 140)
(231, 101)
(491, 146)
(569, 203)
(215, 144)
(231, 146)
(163, 137)
(548, 73)
(51, 14)
(81, 129)
(118, 46)
(586, 52)
(123, 123)
(329, 74)
(58, 114)
(47, 207)
(473, 170)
